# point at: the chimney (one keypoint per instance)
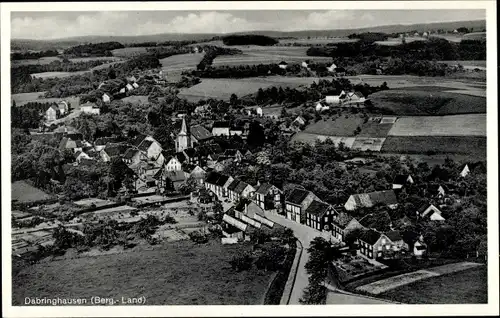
(246, 208)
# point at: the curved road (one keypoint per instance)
(305, 235)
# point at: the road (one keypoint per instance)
(305, 235)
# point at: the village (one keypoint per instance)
(133, 164)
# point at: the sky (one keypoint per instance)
(55, 25)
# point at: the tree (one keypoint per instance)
(233, 100)
(256, 136)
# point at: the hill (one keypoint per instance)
(28, 44)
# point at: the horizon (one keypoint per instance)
(47, 26)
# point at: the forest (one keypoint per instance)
(32, 55)
(249, 39)
(211, 52)
(93, 49)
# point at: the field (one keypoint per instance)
(223, 88)
(139, 99)
(468, 64)
(129, 51)
(452, 125)
(340, 126)
(398, 41)
(253, 55)
(23, 98)
(177, 273)
(318, 41)
(23, 192)
(310, 138)
(470, 145)
(430, 101)
(404, 81)
(45, 75)
(469, 287)
(50, 59)
(181, 62)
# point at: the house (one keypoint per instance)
(218, 183)
(242, 190)
(100, 143)
(425, 34)
(148, 145)
(199, 135)
(134, 156)
(123, 90)
(174, 178)
(80, 155)
(106, 98)
(401, 180)
(374, 244)
(283, 65)
(340, 71)
(297, 202)
(63, 107)
(233, 228)
(195, 172)
(268, 197)
(90, 108)
(129, 87)
(354, 99)
(344, 223)
(221, 128)
(233, 154)
(368, 200)
(319, 215)
(192, 156)
(464, 171)
(52, 113)
(231, 190)
(299, 121)
(419, 249)
(173, 164)
(70, 144)
(332, 68)
(438, 190)
(430, 212)
(135, 85)
(335, 100)
(202, 109)
(113, 151)
(305, 64)
(236, 130)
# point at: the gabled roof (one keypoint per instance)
(370, 236)
(401, 179)
(138, 139)
(230, 152)
(394, 236)
(181, 157)
(343, 219)
(145, 144)
(190, 152)
(221, 181)
(212, 177)
(297, 196)
(232, 186)
(264, 188)
(130, 153)
(200, 133)
(387, 197)
(103, 141)
(175, 176)
(240, 187)
(283, 63)
(317, 208)
(115, 149)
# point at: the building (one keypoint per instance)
(319, 215)
(106, 98)
(134, 156)
(148, 145)
(183, 140)
(297, 202)
(70, 144)
(368, 200)
(283, 65)
(335, 100)
(221, 128)
(199, 135)
(80, 155)
(464, 171)
(100, 143)
(218, 183)
(354, 99)
(332, 68)
(299, 121)
(401, 180)
(113, 151)
(63, 107)
(90, 108)
(343, 224)
(52, 113)
(269, 197)
(173, 164)
(419, 249)
(305, 64)
(430, 212)
(374, 244)
(196, 172)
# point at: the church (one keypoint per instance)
(191, 137)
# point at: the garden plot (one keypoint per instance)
(181, 62)
(366, 143)
(311, 138)
(23, 192)
(453, 125)
(93, 201)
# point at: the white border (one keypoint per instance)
(492, 308)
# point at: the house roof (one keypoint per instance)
(370, 236)
(181, 157)
(116, 149)
(190, 152)
(317, 208)
(401, 179)
(103, 141)
(367, 200)
(240, 187)
(297, 196)
(283, 63)
(130, 153)
(343, 219)
(175, 176)
(394, 236)
(264, 188)
(359, 94)
(212, 177)
(232, 186)
(230, 152)
(200, 133)
(221, 124)
(145, 144)
(221, 181)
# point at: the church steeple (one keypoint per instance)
(183, 141)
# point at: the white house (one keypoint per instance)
(305, 64)
(332, 68)
(51, 113)
(135, 85)
(173, 164)
(63, 107)
(465, 171)
(283, 65)
(106, 98)
(367, 200)
(150, 147)
(402, 180)
(129, 87)
(430, 212)
(221, 128)
(122, 90)
(335, 100)
(90, 108)
(320, 107)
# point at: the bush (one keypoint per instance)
(198, 237)
(241, 262)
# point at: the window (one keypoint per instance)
(388, 246)
(383, 241)
(380, 247)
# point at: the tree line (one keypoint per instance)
(211, 52)
(32, 55)
(249, 39)
(94, 49)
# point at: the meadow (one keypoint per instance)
(223, 88)
(470, 287)
(181, 62)
(452, 125)
(24, 98)
(431, 100)
(340, 126)
(24, 192)
(174, 273)
(317, 41)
